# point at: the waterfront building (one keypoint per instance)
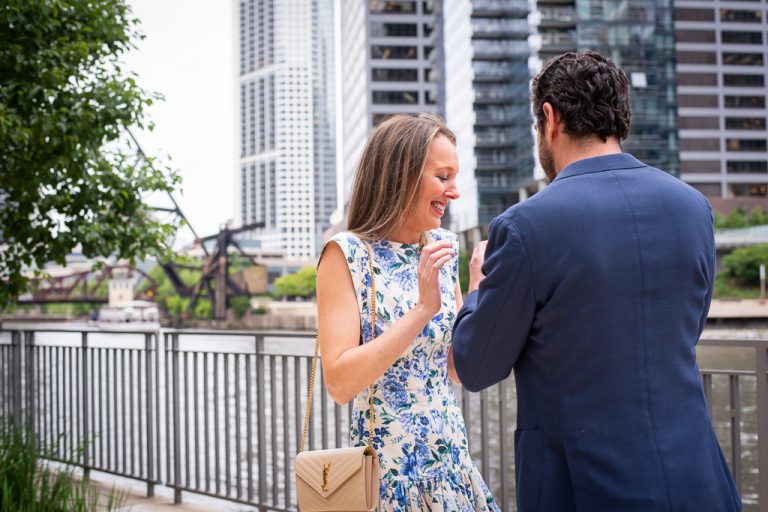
(721, 83)
(287, 165)
(487, 104)
(389, 65)
(500, 44)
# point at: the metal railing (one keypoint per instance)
(219, 413)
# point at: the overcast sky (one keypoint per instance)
(188, 56)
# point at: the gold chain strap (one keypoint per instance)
(317, 353)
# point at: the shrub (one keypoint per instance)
(240, 305)
(744, 263)
(28, 484)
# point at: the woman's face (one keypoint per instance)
(438, 186)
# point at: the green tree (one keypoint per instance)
(464, 258)
(757, 217)
(744, 264)
(734, 220)
(298, 284)
(65, 101)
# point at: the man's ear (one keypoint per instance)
(552, 126)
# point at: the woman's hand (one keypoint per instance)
(433, 257)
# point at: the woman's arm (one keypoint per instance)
(451, 367)
(349, 367)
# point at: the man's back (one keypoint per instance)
(610, 301)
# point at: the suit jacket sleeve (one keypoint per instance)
(492, 327)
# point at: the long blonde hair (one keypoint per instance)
(388, 175)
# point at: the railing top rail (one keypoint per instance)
(255, 332)
(27, 328)
(727, 342)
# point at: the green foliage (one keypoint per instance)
(176, 305)
(203, 309)
(298, 284)
(744, 264)
(464, 271)
(27, 484)
(240, 305)
(739, 218)
(64, 103)
(728, 287)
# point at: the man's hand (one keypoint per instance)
(475, 265)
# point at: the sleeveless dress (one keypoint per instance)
(419, 432)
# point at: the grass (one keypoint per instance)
(28, 482)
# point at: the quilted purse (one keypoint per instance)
(342, 479)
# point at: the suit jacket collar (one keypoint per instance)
(600, 164)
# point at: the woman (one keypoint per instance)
(404, 181)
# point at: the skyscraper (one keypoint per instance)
(389, 65)
(722, 68)
(487, 89)
(501, 43)
(287, 147)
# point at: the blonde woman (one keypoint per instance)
(404, 181)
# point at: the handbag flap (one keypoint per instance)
(329, 468)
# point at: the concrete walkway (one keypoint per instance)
(738, 308)
(137, 500)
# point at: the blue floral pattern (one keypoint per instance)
(419, 431)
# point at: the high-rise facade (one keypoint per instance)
(389, 65)
(639, 38)
(722, 66)
(487, 104)
(493, 48)
(287, 146)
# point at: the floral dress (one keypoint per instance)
(419, 432)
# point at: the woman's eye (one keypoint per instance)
(443, 178)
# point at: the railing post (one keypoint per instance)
(761, 369)
(16, 380)
(30, 379)
(261, 423)
(86, 410)
(176, 420)
(150, 409)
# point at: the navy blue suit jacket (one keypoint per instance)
(596, 291)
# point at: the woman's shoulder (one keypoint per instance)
(349, 243)
(443, 234)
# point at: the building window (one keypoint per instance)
(695, 36)
(708, 189)
(694, 15)
(395, 75)
(393, 52)
(395, 97)
(744, 80)
(699, 123)
(700, 166)
(699, 100)
(392, 7)
(427, 28)
(742, 59)
(700, 144)
(431, 98)
(749, 190)
(745, 145)
(738, 15)
(734, 37)
(393, 30)
(697, 79)
(747, 166)
(696, 58)
(745, 123)
(745, 101)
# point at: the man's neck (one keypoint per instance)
(581, 150)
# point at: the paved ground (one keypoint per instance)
(163, 500)
(740, 308)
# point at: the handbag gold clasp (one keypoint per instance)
(326, 469)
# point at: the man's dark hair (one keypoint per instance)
(589, 91)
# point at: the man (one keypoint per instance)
(595, 292)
